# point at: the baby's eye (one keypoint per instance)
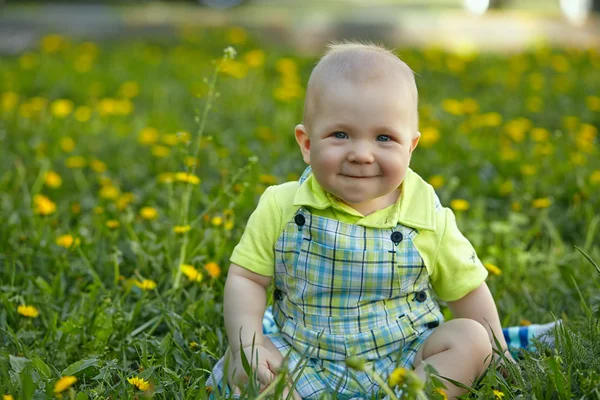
(340, 135)
(383, 138)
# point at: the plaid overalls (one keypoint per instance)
(344, 290)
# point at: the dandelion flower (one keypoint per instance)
(442, 393)
(7, 397)
(67, 241)
(43, 205)
(186, 177)
(64, 383)
(28, 311)
(112, 224)
(498, 394)
(192, 273)
(460, 205)
(52, 179)
(492, 269)
(148, 213)
(437, 181)
(146, 284)
(213, 269)
(139, 383)
(595, 177)
(61, 108)
(216, 221)
(181, 229)
(75, 162)
(397, 377)
(543, 202)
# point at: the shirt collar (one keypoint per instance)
(415, 206)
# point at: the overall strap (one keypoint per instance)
(305, 174)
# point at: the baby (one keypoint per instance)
(357, 248)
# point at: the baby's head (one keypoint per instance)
(360, 124)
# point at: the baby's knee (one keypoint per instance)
(474, 339)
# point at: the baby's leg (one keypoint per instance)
(459, 349)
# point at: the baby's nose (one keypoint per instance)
(361, 154)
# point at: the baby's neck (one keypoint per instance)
(379, 203)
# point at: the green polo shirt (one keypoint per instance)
(451, 261)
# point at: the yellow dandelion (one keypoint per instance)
(543, 202)
(28, 311)
(148, 136)
(64, 383)
(593, 103)
(139, 383)
(109, 192)
(595, 177)
(61, 108)
(112, 224)
(43, 205)
(216, 221)
(228, 225)
(75, 162)
(492, 269)
(498, 394)
(181, 229)
(528, 170)
(235, 69)
(460, 205)
(148, 213)
(516, 206)
(67, 144)
(83, 113)
(540, 134)
(170, 139)
(52, 179)
(124, 200)
(192, 273)
(97, 166)
(160, 151)
(146, 284)
(442, 393)
(9, 100)
(187, 177)
(67, 241)
(51, 43)
(166, 177)
(255, 58)
(8, 397)
(429, 136)
(129, 89)
(397, 377)
(453, 106)
(506, 188)
(213, 269)
(437, 181)
(191, 161)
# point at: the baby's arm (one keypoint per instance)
(479, 305)
(245, 301)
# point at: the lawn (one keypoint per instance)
(128, 170)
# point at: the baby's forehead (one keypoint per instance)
(360, 64)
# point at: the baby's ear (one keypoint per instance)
(303, 141)
(415, 141)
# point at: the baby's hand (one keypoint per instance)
(266, 367)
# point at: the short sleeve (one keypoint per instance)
(255, 250)
(457, 270)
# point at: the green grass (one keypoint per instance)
(530, 173)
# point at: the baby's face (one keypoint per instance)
(360, 140)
